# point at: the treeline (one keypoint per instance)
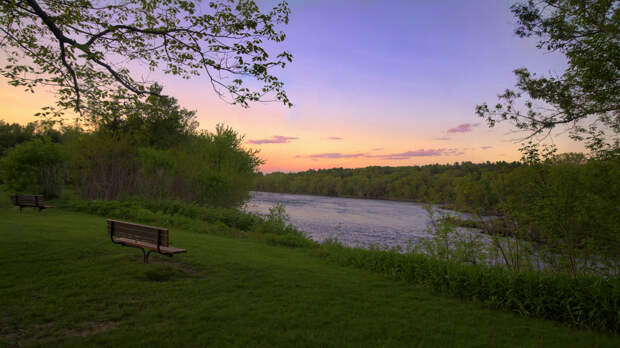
(151, 148)
(568, 202)
(435, 183)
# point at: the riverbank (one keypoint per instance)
(65, 283)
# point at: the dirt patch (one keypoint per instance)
(188, 270)
(19, 337)
(88, 330)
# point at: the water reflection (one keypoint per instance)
(354, 222)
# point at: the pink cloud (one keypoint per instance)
(420, 153)
(335, 138)
(409, 154)
(486, 147)
(332, 155)
(442, 138)
(463, 128)
(390, 156)
(276, 139)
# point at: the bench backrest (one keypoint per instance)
(31, 200)
(143, 233)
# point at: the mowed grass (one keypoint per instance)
(62, 282)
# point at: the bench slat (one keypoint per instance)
(141, 236)
(122, 230)
(146, 227)
(168, 250)
(29, 201)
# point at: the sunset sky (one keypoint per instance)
(372, 83)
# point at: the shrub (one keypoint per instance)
(204, 219)
(35, 167)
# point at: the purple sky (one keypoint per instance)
(377, 83)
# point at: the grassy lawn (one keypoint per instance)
(62, 282)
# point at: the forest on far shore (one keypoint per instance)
(568, 202)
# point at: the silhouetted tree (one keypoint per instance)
(586, 96)
(87, 48)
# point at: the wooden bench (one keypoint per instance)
(34, 201)
(153, 239)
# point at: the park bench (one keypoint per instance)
(34, 201)
(153, 239)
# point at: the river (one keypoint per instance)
(354, 222)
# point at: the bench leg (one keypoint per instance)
(145, 255)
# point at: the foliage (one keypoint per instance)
(34, 167)
(201, 167)
(434, 183)
(102, 166)
(278, 214)
(449, 243)
(213, 168)
(572, 207)
(158, 121)
(14, 133)
(586, 33)
(87, 48)
(203, 219)
(565, 206)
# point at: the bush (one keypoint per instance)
(203, 219)
(35, 167)
(204, 168)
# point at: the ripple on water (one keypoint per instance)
(354, 222)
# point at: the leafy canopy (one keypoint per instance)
(157, 120)
(586, 96)
(87, 48)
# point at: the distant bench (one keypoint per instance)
(155, 239)
(34, 201)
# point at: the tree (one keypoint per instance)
(586, 96)
(157, 120)
(86, 48)
(36, 166)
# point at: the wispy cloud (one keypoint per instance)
(463, 128)
(377, 149)
(442, 138)
(414, 153)
(276, 139)
(334, 138)
(390, 156)
(332, 155)
(486, 147)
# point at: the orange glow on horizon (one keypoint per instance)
(352, 145)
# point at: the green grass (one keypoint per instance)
(62, 282)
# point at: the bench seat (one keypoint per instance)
(147, 238)
(138, 243)
(33, 201)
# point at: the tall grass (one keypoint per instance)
(585, 301)
(203, 219)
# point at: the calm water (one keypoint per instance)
(354, 222)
